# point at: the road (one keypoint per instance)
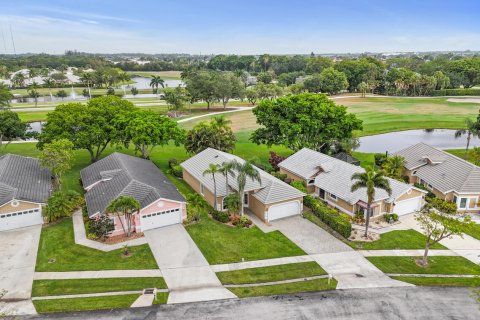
(381, 303)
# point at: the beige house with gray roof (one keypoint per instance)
(447, 176)
(271, 200)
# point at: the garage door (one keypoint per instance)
(161, 219)
(283, 210)
(408, 206)
(20, 219)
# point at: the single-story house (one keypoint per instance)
(122, 175)
(271, 200)
(24, 187)
(330, 179)
(447, 176)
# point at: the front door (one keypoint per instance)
(245, 199)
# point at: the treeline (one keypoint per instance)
(42, 61)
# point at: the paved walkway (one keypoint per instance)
(237, 109)
(144, 300)
(406, 253)
(184, 268)
(147, 273)
(81, 237)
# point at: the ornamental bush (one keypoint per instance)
(62, 204)
(300, 185)
(221, 216)
(101, 227)
(331, 217)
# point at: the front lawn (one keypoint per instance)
(58, 252)
(43, 288)
(287, 288)
(474, 231)
(437, 265)
(398, 239)
(445, 282)
(220, 243)
(162, 298)
(84, 304)
(272, 273)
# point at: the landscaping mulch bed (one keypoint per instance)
(359, 235)
(122, 238)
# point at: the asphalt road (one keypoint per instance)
(382, 303)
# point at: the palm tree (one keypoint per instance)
(212, 169)
(471, 131)
(393, 166)
(124, 77)
(227, 169)
(49, 83)
(245, 170)
(125, 205)
(155, 82)
(87, 79)
(370, 179)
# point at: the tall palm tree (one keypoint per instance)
(245, 170)
(124, 77)
(87, 79)
(370, 179)
(213, 169)
(227, 169)
(49, 83)
(471, 131)
(155, 82)
(126, 206)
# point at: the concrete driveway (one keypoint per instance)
(185, 270)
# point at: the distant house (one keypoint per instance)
(330, 179)
(345, 157)
(123, 175)
(24, 187)
(447, 176)
(271, 200)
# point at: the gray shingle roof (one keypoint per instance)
(270, 191)
(335, 176)
(23, 178)
(441, 169)
(123, 175)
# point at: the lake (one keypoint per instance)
(395, 141)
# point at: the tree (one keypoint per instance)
(363, 87)
(61, 94)
(202, 86)
(34, 94)
(57, 157)
(318, 64)
(134, 91)
(217, 134)
(196, 206)
(439, 220)
(228, 86)
(393, 167)
(91, 126)
(476, 156)
(213, 169)
(124, 77)
(303, 120)
(110, 91)
(265, 77)
(244, 171)
(227, 170)
(126, 206)
(18, 80)
(5, 97)
(333, 81)
(233, 203)
(86, 94)
(175, 98)
(471, 130)
(370, 180)
(146, 130)
(11, 128)
(87, 79)
(49, 83)
(313, 83)
(155, 82)
(252, 95)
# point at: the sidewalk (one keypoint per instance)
(97, 274)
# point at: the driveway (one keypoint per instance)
(185, 270)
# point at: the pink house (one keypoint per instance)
(123, 175)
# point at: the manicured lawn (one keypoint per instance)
(162, 298)
(446, 282)
(278, 289)
(398, 239)
(367, 160)
(83, 304)
(437, 265)
(56, 242)
(273, 273)
(474, 231)
(78, 286)
(224, 244)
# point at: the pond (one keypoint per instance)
(35, 126)
(395, 141)
(144, 83)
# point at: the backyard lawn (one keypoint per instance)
(272, 273)
(398, 239)
(83, 304)
(437, 265)
(58, 252)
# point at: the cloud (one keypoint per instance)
(89, 21)
(83, 15)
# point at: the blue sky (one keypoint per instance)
(241, 27)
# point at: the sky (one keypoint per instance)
(238, 27)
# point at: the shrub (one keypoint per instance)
(196, 206)
(390, 216)
(456, 92)
(359, 217)
(101, 227)
(241, 222)
(338, 222)
(443, 206)
(233, 203)
(275, 159)
(380, 159)
(177, 171)
(92, 236)
(278, 175)
(172, 162)
(430, 195)
(221, 216)
(62, 204)
(300, 185)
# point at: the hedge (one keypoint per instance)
(335, 220)
(456, 92)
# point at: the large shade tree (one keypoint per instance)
(217, 134)
(303, 120)
(57, 156)
(5, 97)
(11, 128)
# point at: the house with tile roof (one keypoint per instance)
(330, 179)
(447, 176)
(269, 200)
(122, 175)
(25, 187)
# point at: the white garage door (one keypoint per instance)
(408, 206)
(161, 219)
(283, 210)
(20, 219)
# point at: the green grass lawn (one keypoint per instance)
(56, 242)
(474, 231)
(43, 288)
(367, 160)
(287, 288)
(446, 282)
(272, 273)
(162, 298)
(84, 304)
(437, 265)
(398, 239)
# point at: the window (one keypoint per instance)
(334, 197)
(463, 203)
(321, 194)
(202, 189)
(429, 186)
(310, 182)
(224, 206)
(455, 199)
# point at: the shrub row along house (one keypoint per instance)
(269, 200)
(122, 175)
(445, 175)
(330, 179)
(24, 187)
